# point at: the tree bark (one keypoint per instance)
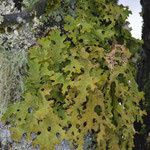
(143, 79)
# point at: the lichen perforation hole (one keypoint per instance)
(30, 110)
(42, 89)
(98, 110)
(48, 128)
(58, 135)
(19, 119)
(84, 124)
(39, 132)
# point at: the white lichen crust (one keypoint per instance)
(1, 19)
(20, 20)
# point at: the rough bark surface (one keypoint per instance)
(141, 141)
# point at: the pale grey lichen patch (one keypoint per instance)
(7, 143)
(16, 32)
(11, 79)
(64, 146)
(36, 23)
(18, 40)
(4, 136)
(20, 20)
(1, 19)
(89, 142)
(7, 7)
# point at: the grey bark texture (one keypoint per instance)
(141, 141)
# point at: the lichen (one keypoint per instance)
(1, 19)
(14, 44)
(20, 20)
(11, 79)
(77, 76)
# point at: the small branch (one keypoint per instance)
(26, 16)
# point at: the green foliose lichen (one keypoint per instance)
(80, 80)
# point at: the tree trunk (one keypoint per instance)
(142, 141)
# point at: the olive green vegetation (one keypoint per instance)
(80, 78)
